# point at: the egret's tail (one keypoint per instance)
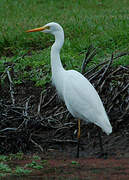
(105, 125)
(107, 129)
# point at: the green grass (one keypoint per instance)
(105, 24)
(34, 165)
(17, 156)
(4, 168)
(20, 171)
(8, 166)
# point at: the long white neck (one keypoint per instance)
(56, 64)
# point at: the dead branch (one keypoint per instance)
(49, 101)
(116, 96)
(8, 129)
(105, 62)
(105, 72)
(36, 144)
(11, 86)
(40, 102)
(88, 59)
(25, 112)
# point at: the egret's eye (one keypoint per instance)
(47, 27)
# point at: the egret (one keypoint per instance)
(78, 94)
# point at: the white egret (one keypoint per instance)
(80, 97)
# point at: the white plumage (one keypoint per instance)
(80, 97)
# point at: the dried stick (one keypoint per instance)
(115, 71)
(36, 144)
(24, 122)
(96, 73)
(88, 59)
(120, 92)
(85, 59)
(115, 97)
(106, 61)
(121, 54)
(110, 75)
(94, 68)
(49, 101)
(8, 129)
(105, 72)
(11, 87)
(60, 113)
(127, 69)
(126, 111)
(60, 141)
(40, 102)
(25, 113)
(64, 141)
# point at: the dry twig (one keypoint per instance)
(88, 59)
(11, 86)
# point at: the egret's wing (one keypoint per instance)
(80, 96)
(82, 100)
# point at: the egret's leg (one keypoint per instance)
(103, 153)
(100, 142)
(78, 136)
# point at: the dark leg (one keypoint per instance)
(102, 154)
(78, 136)
(100, 142)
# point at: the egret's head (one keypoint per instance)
(51, 28)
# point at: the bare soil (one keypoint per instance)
(64, 167)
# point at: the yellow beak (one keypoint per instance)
(38, 29)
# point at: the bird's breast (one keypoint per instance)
(58, 82)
